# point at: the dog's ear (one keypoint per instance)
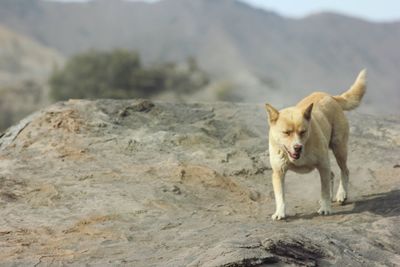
(307, 112)
(273, 114)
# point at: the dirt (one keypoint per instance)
(142, 183)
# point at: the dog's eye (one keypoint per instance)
(302, 132)
(287, 133)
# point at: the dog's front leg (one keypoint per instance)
(278, 182)
(325, 174)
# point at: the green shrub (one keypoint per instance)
(120, 74)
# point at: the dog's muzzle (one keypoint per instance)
(297, 152)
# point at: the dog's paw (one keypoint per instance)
(341, 197)
(278, 216)
(324, 210)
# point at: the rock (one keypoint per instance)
(232, 253)
(142, 106)
(254, 195)
(299, 251)
(137, 183)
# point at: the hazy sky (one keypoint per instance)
(376, 10)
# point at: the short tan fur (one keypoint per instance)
(300, 138)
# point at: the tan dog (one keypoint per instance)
(300, 138)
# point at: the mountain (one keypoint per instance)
(140, 183)
(24, 69)
(22, 58)
(266, 57)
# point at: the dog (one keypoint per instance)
(300, 138)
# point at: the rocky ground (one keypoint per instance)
(138, 183)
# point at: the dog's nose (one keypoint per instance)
(298, 148)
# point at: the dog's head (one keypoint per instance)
(290, 129)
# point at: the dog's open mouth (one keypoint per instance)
(295, 155)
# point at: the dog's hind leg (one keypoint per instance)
(340, 152)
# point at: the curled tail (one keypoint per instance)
(351, 98)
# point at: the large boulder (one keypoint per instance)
(139, 183)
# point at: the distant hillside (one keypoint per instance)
(23, 59)
(265, 56)
(24, 69)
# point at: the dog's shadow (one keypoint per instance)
(384, 204)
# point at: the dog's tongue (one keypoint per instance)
(295, 155)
